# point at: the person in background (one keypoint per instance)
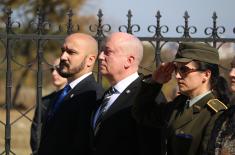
(188, 120)
(59, 83)
(67, 125)
(222, 141)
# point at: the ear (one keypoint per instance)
(91, 60)
(130, 61)
(207, 76)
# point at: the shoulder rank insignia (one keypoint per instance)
(216, 105)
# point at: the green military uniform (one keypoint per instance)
(189, 129)
(184, 131)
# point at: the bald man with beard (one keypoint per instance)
(66, 130)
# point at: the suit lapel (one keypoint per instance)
(183, 119)
(94, 112)
(178, 105)
(123, 101)
(79, 88)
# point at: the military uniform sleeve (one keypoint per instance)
(216, 108)
(149, 104)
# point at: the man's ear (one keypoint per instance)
(129, 62)
(91, 60)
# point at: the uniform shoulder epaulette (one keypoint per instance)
(216, 105)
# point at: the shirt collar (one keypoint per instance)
(197, 98)
(75, 82)
(123, 84)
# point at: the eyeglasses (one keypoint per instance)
(184, 70)
(53, 68)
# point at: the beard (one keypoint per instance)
(70, 72)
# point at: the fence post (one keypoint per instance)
(8, 103)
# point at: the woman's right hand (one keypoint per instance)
(163, 73)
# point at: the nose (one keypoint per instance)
(177, 75)
(54, 72)
(64, 56)
(101, 55)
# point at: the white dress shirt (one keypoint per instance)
(120, 87)
(197, 98)
(75, 82)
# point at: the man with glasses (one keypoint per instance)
(189, 118)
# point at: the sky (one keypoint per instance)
(172, 11)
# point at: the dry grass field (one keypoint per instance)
(20, 131)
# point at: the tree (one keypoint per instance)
(54, 12)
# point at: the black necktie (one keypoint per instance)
(102, 109)
(187, 104)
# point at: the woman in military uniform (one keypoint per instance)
(222, 140)
(187, 121)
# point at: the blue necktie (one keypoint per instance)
(60, 98)
(102, 109)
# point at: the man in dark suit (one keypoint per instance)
(115, 132)
(59, 83)
(66, 130)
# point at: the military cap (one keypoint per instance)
(189, 51)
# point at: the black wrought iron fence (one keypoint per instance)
(40, 36)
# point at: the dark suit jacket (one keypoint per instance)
(36, 126)
(67, 132)
(118, 133)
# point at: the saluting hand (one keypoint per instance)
(163, 73)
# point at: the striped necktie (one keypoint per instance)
(102, 109)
